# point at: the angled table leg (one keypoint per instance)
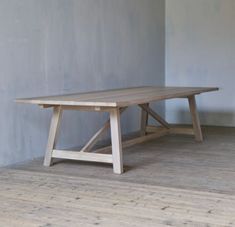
(144, 121)
(116, 141)
(55, 122)
(156, 116)
(195, 118)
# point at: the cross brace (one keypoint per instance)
(148, 132)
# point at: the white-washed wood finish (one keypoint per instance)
(118, 97)
(42, 199)
(114, 102)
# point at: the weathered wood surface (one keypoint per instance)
(43, 199)
(53, 133)
(171, 161)
(113, 101)
(118, 97)
(195, 118)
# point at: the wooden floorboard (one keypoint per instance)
(45, 199)
(173, 181)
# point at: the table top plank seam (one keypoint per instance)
(118, 97)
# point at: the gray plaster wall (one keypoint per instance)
(200, 51)
(61, 46)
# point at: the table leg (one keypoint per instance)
(144, 120)
(116, 141)
(195, 118)
(156, 116)
(53, 133)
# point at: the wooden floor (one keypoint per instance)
(172, 181)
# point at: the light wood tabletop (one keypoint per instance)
(118, 97)
(115, 102)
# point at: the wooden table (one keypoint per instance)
(116, 102)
